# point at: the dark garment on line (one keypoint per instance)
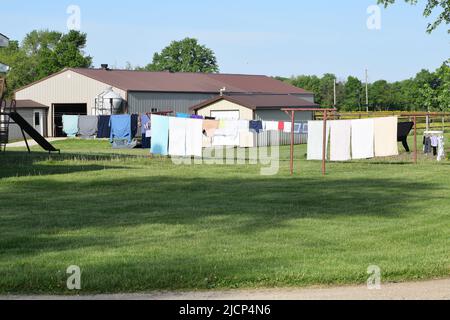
(210, 118)
(146, 142)
(134, 125)
(256, 126)
(404, 128)
(194, 116)
(427, 143)
(104, 130)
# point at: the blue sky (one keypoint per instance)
(284, 37)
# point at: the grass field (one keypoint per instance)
(135, 224)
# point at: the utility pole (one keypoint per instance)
(367, 90)
(335, 95)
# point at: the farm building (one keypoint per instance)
(92, 91)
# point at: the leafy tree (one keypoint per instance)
(41, 54)
(353, 93)
(186, 55)
(432, 6)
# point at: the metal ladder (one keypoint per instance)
(5, 121)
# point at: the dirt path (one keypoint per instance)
(428, 290)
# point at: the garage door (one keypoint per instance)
(225, 115)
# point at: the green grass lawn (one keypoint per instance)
(135, 223)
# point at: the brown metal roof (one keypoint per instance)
(260, 101)
(189, 82)
(28, 104)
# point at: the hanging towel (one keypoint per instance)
(87, 126)
(441, 148)
(209, 126)
(70, 125)
(281, 126)
(120, 127)
(183, 115)
(386, 136)
(255, 126)
(244, 125)
(315, 139)
(363, 139)
(194, 138)
(340, 140)
(271, 125)
(226, 137)
(298, 128)
(287, 127)
(104, 130)
(177, 137)
(160, 135)
(145, 123)
(194, 116)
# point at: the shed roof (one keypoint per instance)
(187, 82)
(22, 104)
(260, 101)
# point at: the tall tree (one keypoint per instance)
(352, 94)
(43, 53)
(432, 6)
(186, 55)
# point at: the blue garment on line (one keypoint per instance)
(104, 130)
(160, 135)
(183, 115)
(120, 127)
(256, 126)
(70, 125)
(145, 123)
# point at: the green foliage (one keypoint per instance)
(432, 6)
(427, 91)
(41, 54)
(186, 55)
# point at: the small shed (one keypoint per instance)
(34, 113)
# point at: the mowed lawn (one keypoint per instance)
(136, 224)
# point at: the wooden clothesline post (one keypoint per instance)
(291, 112)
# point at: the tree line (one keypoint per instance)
(427, 91)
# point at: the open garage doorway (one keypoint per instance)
(59, 110)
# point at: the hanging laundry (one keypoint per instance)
(298, 128)
(209, 127)
(146, 131)
(340, 140)
(287, 127)
(177, 137)
(104, 130)
(304, 128)
(281, 126)
(362, 139)
(160, 135)
(183, 115)
(255, 126)
(134, 125)
(315, 139)
(120, 127)
(194, 116)
(441, 148)
(87, 126)
(385, 130)
(227, 134)
(427, 149)
(194, 138)
(271, 125)
(70, 125)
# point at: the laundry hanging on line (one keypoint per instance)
(340, 140)
(120, 128)
(315, 140)
(385, 133)
(70, 125)
(160, 135)
(362, 139)
(103, 129)
(87, 127)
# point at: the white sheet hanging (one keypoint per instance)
(363, 139)
(385, 129)
(270, 125)
(315, 139)
(226, 137)
(340, 136)
(194, 137)
(177, 137)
